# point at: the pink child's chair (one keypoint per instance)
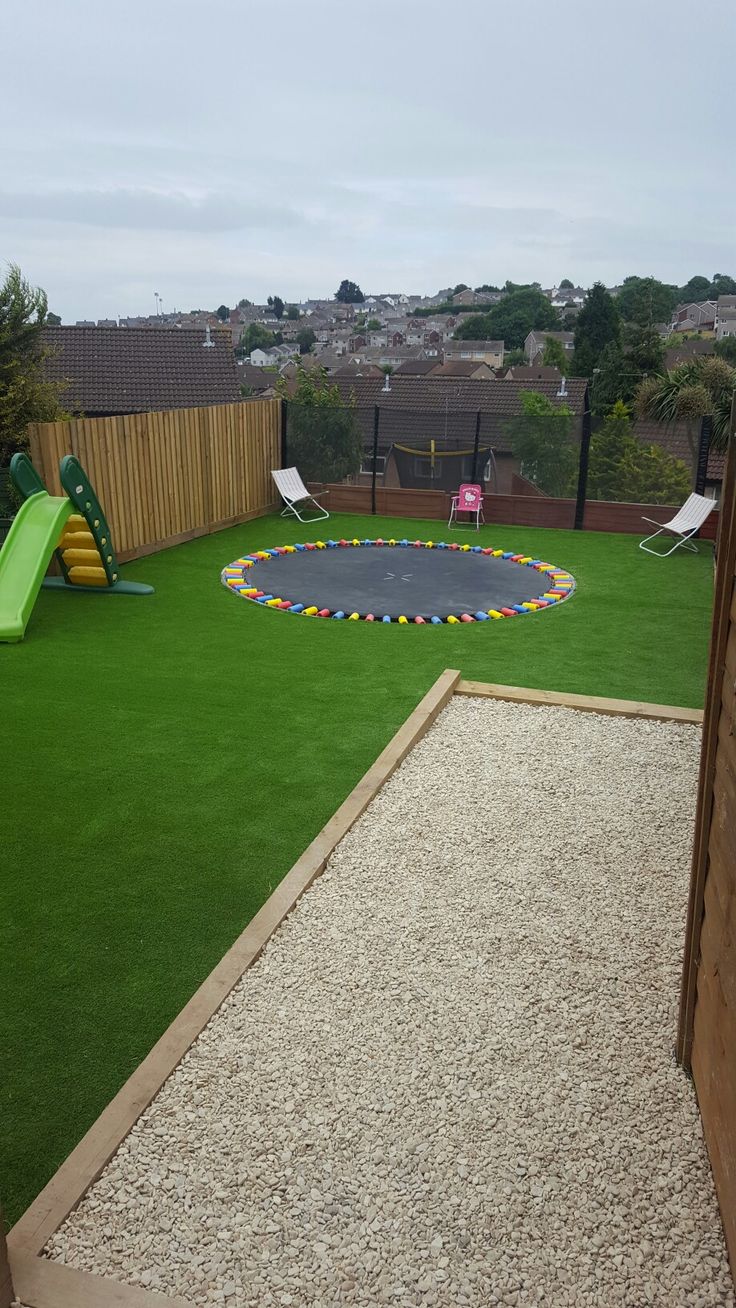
(469, 499)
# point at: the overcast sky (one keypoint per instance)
(213, 149)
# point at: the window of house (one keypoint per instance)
(366, 465)
(423, 469)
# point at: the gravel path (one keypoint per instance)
(449, 1080)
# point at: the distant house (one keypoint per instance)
(560, 297)
(257, 379)
(725, 317)
(699, 316)
(109, 370)
(535, 372)
(535, 341)
(686, 351)
(416, 410)
(273, 356)
(463, 368)
(490, 352)
(415, 368)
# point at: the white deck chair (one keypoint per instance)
(685, 523)
(294, 493)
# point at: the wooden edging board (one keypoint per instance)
(65, 1189)
(628, 708)
(41, 1283)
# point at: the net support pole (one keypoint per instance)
(583, 466)
(476, 443)
(284, 441)
(701, 473)
(376, 420)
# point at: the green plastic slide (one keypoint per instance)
(25, 557)
(84, 551)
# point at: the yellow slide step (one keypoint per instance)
(88, 558)
(87, 576)
(82, 540)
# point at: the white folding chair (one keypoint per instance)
(683, 526)
(294, 493)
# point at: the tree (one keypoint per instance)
(373, 325)
(349, 293)
(292, 313)
(686, 394)
(566, 285)
(486, 287)
(244, 304)
(541, 439)
(511, 320)
(305, 340)
(53, 319)
(722, 284)
(25, 395)
(223, 313)
(276, 305)
(621, 468)
(324, 438)
(597, 325)
(645, 300)
(726, 349)
(461, 286)
(256, 337)
(554, 355)
(698, 288)
(514, 358)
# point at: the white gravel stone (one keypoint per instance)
(450, 1078)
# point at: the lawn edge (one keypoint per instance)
(84, 1164)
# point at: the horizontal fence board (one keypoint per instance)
(170, 476)
(507, 510)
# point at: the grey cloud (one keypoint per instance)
(147, 210)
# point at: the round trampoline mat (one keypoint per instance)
(398, 581)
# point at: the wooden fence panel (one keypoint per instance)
(167, 477)
(707, 1033)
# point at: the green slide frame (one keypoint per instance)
(34, 537)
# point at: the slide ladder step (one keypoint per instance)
(81, 575)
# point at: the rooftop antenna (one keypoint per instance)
(562, 392)
(207, 343)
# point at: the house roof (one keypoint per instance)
(540, 334)
(688, 350)
(461, 368)
(112, 370)
(257, 378)
(415, 368)
(539, 372)
(489, 347)
(419, 408)
(672, 437)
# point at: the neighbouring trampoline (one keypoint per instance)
(398, 581)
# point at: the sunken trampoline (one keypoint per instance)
(398, 581)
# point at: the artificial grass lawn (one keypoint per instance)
(168, 758)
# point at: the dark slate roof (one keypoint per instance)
(415, 367)
(113, 370)
(444, 409)
(460, 368)
(257, 378)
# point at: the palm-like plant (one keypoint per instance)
(686, 394)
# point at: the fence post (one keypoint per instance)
(583, 467)
(376, 420)
(284, 440)
(701, 474)
(6, 1281)
(474, 477)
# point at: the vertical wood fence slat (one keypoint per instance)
(169, 476)
(707, 1031)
